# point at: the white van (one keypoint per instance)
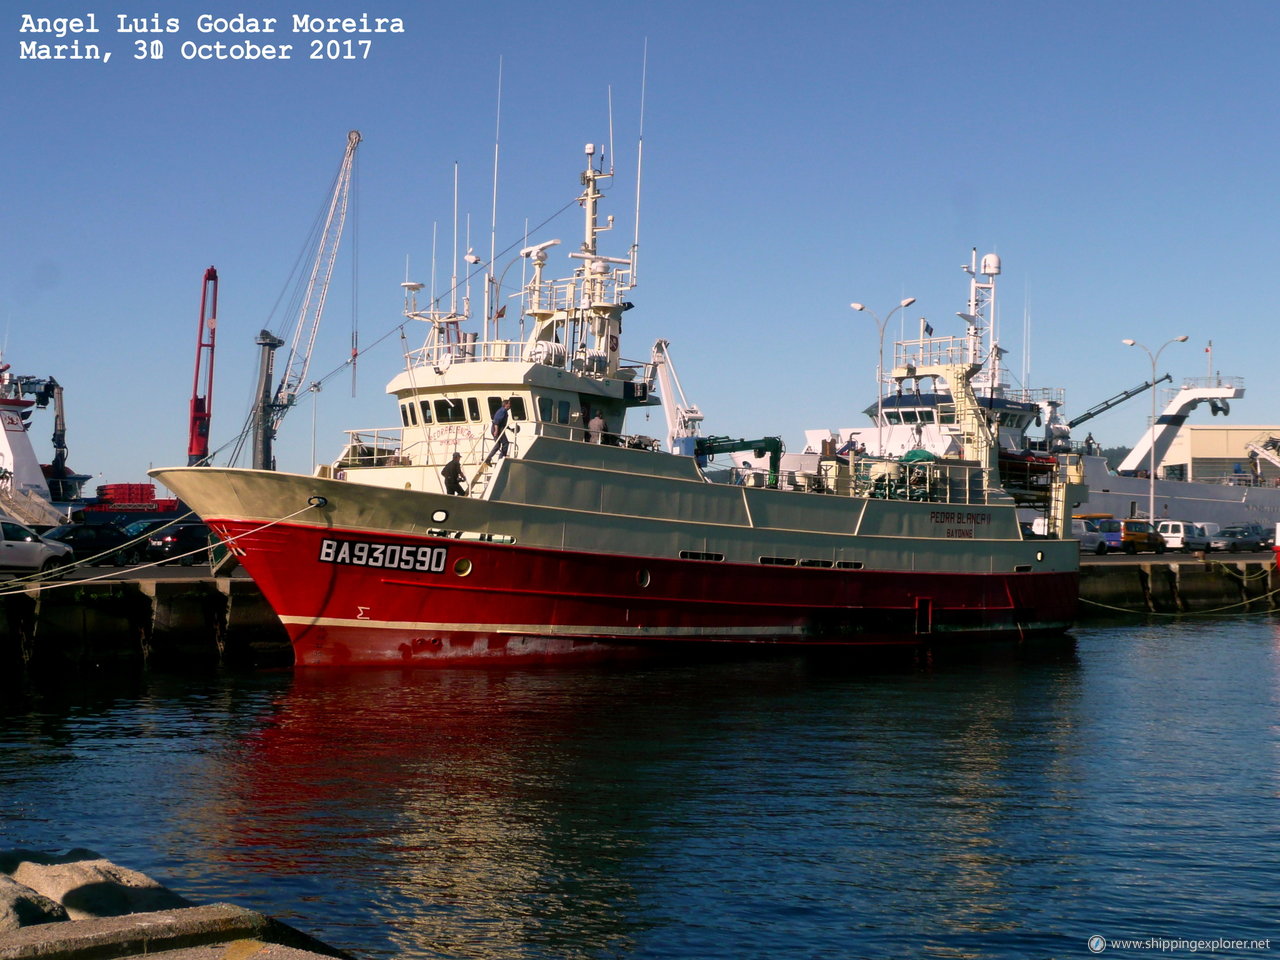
(1183, 535)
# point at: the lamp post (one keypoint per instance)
(1151, 449)
(880, 367)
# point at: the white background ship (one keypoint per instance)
(26, 492)
(1031, 422)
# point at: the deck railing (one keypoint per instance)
(937, 481)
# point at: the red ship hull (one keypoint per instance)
(352, 598)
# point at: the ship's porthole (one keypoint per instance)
(440, 516)
(1040, 556)
(462, 568)
(642, 577)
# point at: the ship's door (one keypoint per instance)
(924, 615)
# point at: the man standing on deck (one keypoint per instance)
(596, 428)
(453, 478)
(501, 417)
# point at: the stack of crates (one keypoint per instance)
(126, 492)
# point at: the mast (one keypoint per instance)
(981, 320)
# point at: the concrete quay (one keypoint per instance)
(193, 620)
(80, 906)
(1212, 584)
(176, 621)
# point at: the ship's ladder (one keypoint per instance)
(481, 477)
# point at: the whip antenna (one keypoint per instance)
(635, 243)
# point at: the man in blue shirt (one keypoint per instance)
(498, 429)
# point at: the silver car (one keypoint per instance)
(1237, 540)
(22, 550)
(1091, 539)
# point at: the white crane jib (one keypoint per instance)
(270, 408)
(303, 339)
(1213, 391)
(683, 418)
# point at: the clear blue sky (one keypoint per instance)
(1120, 157)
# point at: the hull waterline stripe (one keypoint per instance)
(639, 633)
(531, 628)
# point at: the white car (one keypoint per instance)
(22, 550)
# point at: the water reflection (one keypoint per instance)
(573, 812)
(1000, 805)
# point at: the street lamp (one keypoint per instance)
(1151, 448)
(880, 367)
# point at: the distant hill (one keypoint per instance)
(1115, 455)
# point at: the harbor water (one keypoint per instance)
(1007, 803)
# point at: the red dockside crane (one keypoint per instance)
(202, 405)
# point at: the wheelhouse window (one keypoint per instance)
(473, 408)
(517, 407)
(545, 405)
(425, 405)
(404, 414)
(450, 411)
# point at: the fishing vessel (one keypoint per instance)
(1031, 432)
(569, 537)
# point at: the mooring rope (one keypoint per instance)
(1196, 613)
(1235, 571)
(41, 575)
(38, 585)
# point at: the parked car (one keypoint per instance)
(1237, 540)
(1131, 536)
(1090, 537)
(1184, 535)
(179, 542)
(22, 550)
(1264, 535)
(140, 528)
(99, 543)
(141, 531)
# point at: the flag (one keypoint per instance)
(928, 330)
(502, 312)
